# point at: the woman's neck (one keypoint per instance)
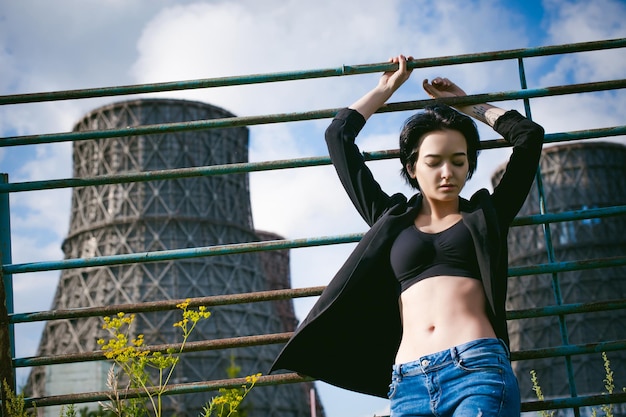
(438, 210)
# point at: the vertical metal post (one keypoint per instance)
(7, 345)
(556, 286)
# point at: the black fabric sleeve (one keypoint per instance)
(527, 140)
(364, 191)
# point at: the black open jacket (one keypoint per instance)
(351, 335)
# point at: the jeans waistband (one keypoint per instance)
(441, 358)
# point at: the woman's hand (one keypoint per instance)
(442, 87)
(388, 83)
(392, 80)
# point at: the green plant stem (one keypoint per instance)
(182, 346)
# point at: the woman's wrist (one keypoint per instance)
(484, 112)
(372, 101)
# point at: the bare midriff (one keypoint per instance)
(439, 313)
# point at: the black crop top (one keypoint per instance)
(416, 255)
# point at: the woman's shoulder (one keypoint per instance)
(520, 131)
(345, 119)
(398, 207)
(477, 200)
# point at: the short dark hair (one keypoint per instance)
(434, 118)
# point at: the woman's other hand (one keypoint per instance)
(442, 87)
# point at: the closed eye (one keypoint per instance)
(432, 161)
(436, 162)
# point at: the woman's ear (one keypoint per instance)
(409, 169)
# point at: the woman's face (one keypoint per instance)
(442, 166)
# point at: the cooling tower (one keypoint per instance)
(161, 215)
(576, 176)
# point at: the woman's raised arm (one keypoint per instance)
(388, 83)
(443, 87)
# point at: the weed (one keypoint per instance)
(226, 404)
(539, 394)
(609, 386)
(139, 366)
(15, 404)
(134, 363)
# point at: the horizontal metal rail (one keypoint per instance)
(229, 249)
(268, 339)
(571, 215)
(197, 387)
(310, 115)
(200, 346)
(569, 350)
(564, 309)
(568, 266)
(264, 296)
(237, 168)
(168, 255)
(570, 402)
(166, 305)
(174, 254)
(309, 74)
(292, 378)
(173, 389)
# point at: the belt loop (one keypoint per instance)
(454, 352)
(397, 370)
(506, 349)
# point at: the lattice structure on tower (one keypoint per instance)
(159, 215)
(575, 176)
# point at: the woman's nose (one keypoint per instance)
(446, 171)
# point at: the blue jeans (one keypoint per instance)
(470, 380)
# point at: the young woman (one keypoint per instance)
(417, 312)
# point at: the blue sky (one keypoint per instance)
(69, 44)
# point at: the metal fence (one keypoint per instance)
(10, 271)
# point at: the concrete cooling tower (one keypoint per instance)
(576, 176)
(160, 215)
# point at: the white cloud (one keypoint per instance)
(214, 40)
(580, 21)
(581, 111)
(32, 288)
(584, 21)
(38, 216)
(207, 40)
